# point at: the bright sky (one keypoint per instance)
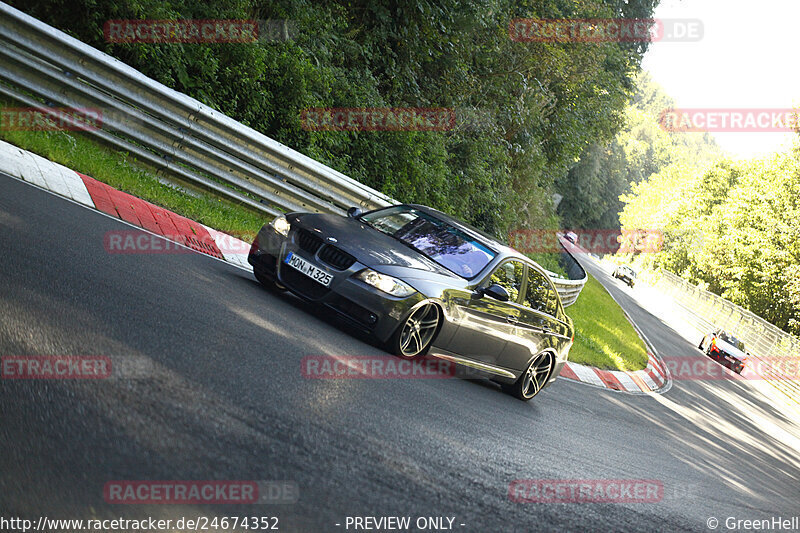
(745, 59)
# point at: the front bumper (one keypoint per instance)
(727, 361)
(626, 280)
(365, 307)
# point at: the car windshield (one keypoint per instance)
(444, 243)
(730, 339)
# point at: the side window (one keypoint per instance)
(509, 276)
(540, 295)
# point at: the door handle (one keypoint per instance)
(512, 319)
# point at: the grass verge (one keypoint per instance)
(603, 335)
(121, 171)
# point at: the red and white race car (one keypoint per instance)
(726, 349)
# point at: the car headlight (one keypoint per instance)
(281, 225)
(385, 283)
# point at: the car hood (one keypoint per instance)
(373, 248)
(730, 349)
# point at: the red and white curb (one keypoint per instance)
(65, 182)
(653, 378)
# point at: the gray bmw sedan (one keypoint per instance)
(422, 282)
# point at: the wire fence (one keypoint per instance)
(776, 352)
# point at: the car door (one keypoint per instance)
(537, 328)
(486, 324)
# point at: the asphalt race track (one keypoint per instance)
(220, 396)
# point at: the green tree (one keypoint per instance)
(733, 229)
(607, 170)
(541, 103)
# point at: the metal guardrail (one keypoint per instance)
(178, 136)
(569, 289)
(777, 352)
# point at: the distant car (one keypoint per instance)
(626, 274)
(571, 236)
(726, 349)
(417, 279)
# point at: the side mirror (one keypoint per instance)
(353, 212)
(498, 292)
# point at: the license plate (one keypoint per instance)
(310, 270)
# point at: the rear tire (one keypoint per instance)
(533, 380)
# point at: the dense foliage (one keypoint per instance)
(525, 111)
(593, 187)
(730, 227)
(733, 228)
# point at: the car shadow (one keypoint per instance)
(324, 314)
(333, 319)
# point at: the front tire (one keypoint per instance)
(533, 380)
(414, 336)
